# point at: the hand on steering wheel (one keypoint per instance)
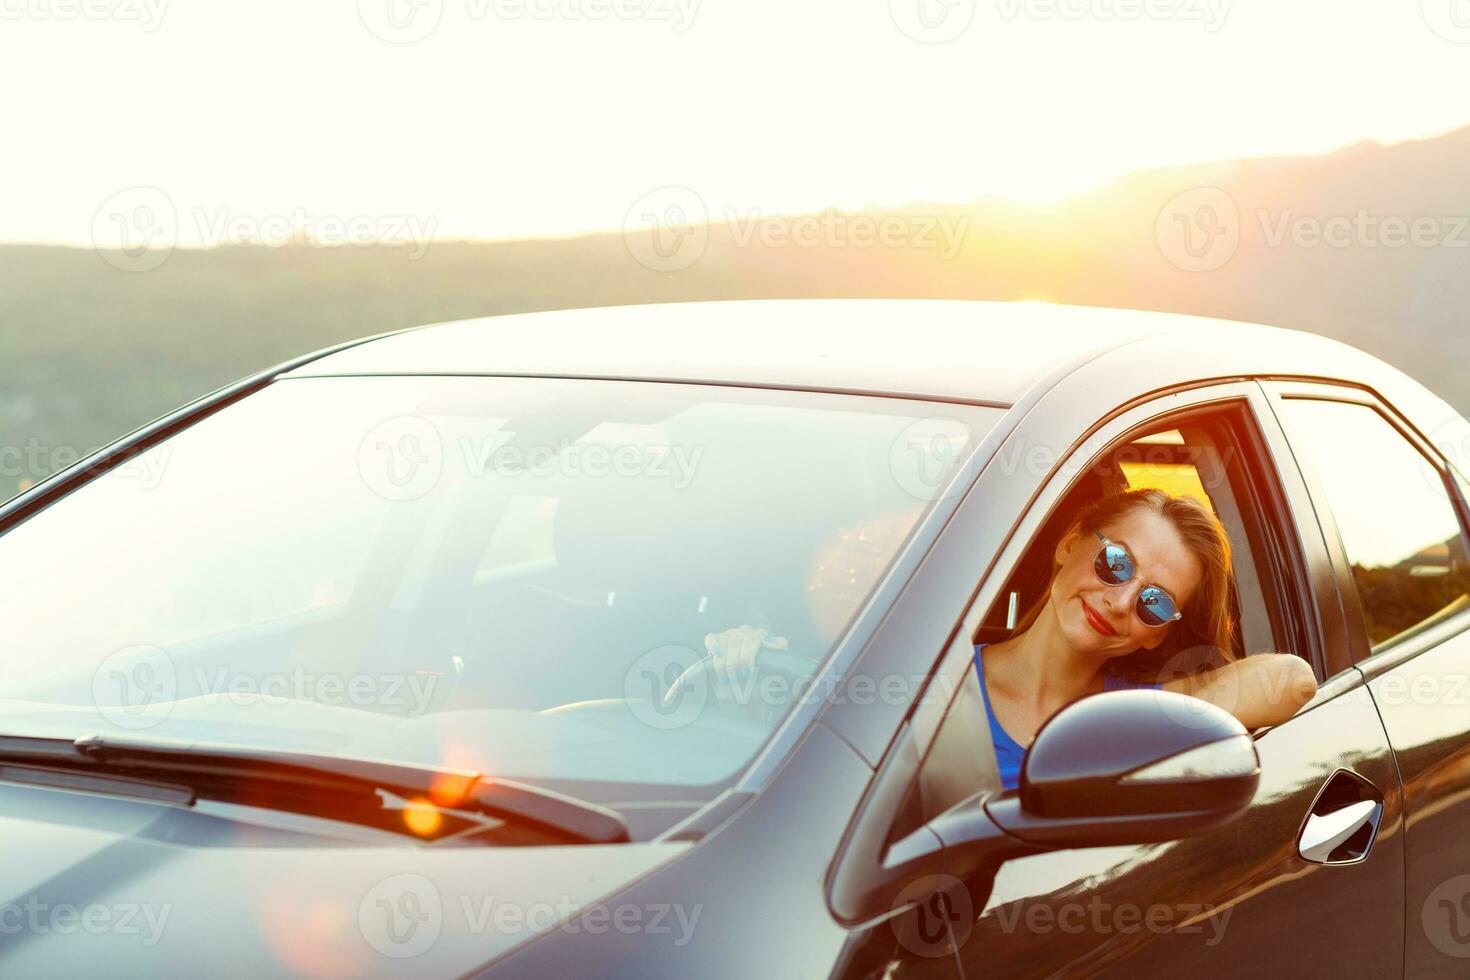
(734, 651)
(736, 656)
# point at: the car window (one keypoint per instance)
(1197, 460)
(497, 574)
(1204, 455)
(1403, 540)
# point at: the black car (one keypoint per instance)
(392, 660)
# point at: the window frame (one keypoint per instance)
(1266, 506)
(1252, 537)
(1360, 644)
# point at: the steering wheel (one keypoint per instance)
(796, 671)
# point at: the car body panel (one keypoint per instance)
(932, 349)
(1235, 902)
(1425, 704)
(1421, 688)
(758, 882)
(207, 895)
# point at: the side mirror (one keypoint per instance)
(1125, 767)
(1131, 767)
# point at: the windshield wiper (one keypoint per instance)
(428, 802)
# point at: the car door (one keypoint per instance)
(1395, 520)
(1234, 901)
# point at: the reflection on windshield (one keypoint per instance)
(423, 568)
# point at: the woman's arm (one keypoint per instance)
(1262, 689)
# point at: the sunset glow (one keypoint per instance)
(760, 108)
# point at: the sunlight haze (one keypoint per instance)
(526, 118)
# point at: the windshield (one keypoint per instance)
(504, 575)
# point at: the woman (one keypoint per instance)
(1140, 593)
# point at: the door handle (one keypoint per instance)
(1343, 821)
(1325, 833)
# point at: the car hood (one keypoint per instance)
(94, 885)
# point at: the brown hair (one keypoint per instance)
(1207, 630)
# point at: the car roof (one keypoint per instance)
(946, 350)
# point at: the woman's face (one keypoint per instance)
(1114, 629)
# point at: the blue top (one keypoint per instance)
(1008, 752)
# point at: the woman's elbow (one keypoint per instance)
(1303, 683)
(1293, 684)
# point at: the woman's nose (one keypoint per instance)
(1122, 597)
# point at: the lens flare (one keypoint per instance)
(422, 817)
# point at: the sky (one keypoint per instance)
(521, 118)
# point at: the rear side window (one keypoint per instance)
(1397, 522)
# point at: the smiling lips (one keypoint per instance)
(1097, 622)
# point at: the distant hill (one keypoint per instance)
(88, 352)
